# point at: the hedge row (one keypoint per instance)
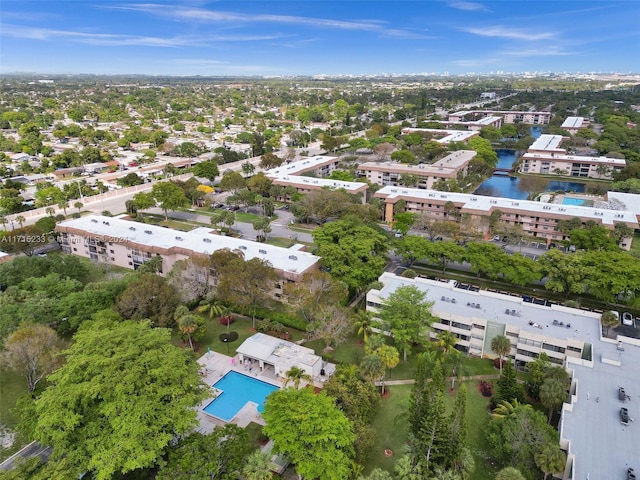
(280, 317)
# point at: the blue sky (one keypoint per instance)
(318, 37)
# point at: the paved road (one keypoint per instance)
(34, 449)
(279, 228)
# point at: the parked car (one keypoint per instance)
(624, 415)
(627, 319)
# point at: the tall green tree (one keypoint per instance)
(516, 438)
(311, 431)
(148, 297)
(219, 455)
(32, 351)
(501, 346)
(407, 315)
(208, 170)
(509, 473)
(351, 252)
(257, 466)
(565, 273)
(169, 196)
(550, 459)
(508, 388)
(88, 414)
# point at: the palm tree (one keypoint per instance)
(609, 320)
(507, 409)
(212, 307)
(187, 325)
(551, 459)
(363, 324)
(50, 211)
(373, 343)
(180, 312)
(445, 344)
(553, 392)
(372, 367)
(20, 219)
(501, 346)
(257, 467)
(389, 356)
(296, 375)
(79, 206)
(509, 473)
(63, 204)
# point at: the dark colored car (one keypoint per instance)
(624, 415)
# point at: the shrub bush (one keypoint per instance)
(486, 389)
(227, 319)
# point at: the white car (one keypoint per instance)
(627, 319)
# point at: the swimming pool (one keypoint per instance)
(574, 201)
(237, 390)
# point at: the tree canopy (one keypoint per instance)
(311, 431)
(90, 415)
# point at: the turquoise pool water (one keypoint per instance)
(237, 390)
(573, 201)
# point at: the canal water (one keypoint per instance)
(502, 185)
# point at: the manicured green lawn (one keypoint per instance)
(279, 242)
(391, 426)
(351, 351)
(242, 325)
(477, 421)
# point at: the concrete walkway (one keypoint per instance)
(493, 376)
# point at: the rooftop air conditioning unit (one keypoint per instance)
(293, 257)
(206, 240)
(94, 220)
(179, 238)
(132, 228)
(149, 232)
(242, 247)
(264, 252)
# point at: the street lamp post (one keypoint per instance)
(226, 340)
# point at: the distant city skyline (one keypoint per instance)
(285, 38)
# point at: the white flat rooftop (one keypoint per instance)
(577, 158)
(493, 306)
(604, 448)
(631, 201)
(549, 143)
(485, 204)
(200, 240)
(573, 122)
(449, 135)
(304, 165)
(352, 187)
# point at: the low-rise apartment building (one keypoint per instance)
(537, 219)
(476, 316)
(130, 244)
(390, 173)
(546, 157)
(574, 124)
(444, 136)
(320, 166)
(508, 116)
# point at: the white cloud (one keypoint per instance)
(116, 40)
(469, 6)
(216, 16)
(504, 32)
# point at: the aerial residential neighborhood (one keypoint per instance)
(234, 247)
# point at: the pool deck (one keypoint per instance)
(214, 366)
